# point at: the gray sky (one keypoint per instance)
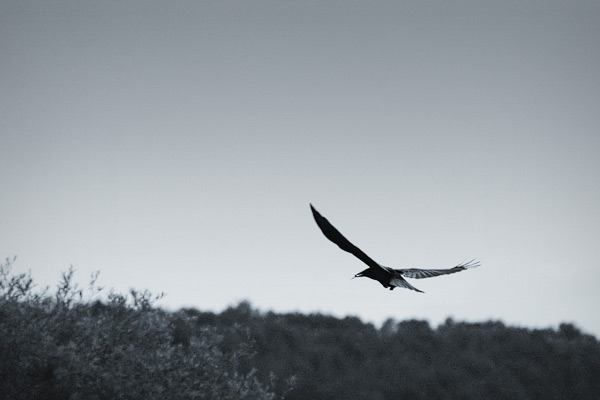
(175, 146)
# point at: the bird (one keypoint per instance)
(389, 277)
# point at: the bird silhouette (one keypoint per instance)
(389, 277)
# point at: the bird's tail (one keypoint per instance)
(399, 282)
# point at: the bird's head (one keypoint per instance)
(361, 274)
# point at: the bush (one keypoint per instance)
(68, 347)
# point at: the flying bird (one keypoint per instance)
(388, 277)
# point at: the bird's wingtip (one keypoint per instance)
(314, 210)
(474, 263)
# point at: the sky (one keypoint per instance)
(176, 146)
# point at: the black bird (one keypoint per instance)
(388, 277)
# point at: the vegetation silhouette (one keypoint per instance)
(71, 346)
(345, 358)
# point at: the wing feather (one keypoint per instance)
(428, 273)
(336, 237)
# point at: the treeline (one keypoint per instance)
(71, 346)
(334, 358)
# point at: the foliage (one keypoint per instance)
(345, 358)
(69, 347)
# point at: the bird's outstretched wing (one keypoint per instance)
(336, 237)
(428, 273)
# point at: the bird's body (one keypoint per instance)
(388, 277)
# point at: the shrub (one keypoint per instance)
(70, 347)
